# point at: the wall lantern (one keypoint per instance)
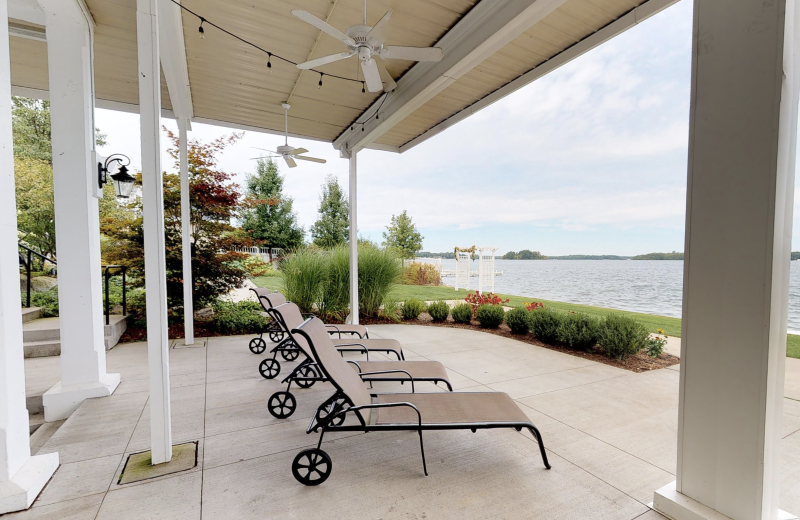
(123, 181)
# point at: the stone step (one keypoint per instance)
(44, 348)
(31, 313)
(34, 404)
(43, 329)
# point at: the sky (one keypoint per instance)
(589, 159)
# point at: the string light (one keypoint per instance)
(319, 85)
(363, 90)
(201, 30)
(269, 62)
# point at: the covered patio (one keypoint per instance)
(711, 435)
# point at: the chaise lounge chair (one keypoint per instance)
(282, 404)
(394, 412)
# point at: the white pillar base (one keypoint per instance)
(677, 506)
(19, 493)
(60, 401)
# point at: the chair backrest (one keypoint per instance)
(260, 291)
(289, 318)
(275, 299)
(336, 368)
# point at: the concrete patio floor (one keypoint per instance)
(610, 436)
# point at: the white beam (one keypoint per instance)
(22, 477)
(186, 238)
(70, 57)
(153, 213)
(173, 59)
(618, 26)
(740, 194)
(353, 193)
(484, 30)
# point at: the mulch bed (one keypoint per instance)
(640, 362)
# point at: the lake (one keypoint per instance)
(647, 286)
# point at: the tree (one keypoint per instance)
(401, 234)
(31, 129)
(269, 220)
(214, 201)
(333, 226)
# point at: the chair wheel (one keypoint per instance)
(290, 355)
(306, 371)
(269, 368)
(281, 405)
(276, 336)
(258, 345)
(311, 467)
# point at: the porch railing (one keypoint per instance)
(26, 260)
(107, 274)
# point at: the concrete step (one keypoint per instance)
(43, 329)
(31, 313)
(35, 420)
(34, 404)
(44, 348)
(43, 434)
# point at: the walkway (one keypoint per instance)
(610, 436)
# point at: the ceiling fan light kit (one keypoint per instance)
(367, 42)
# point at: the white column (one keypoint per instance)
(71, 76)
(743, 128)
(353, 239)
(186, 239)
(153, 213)
(22, 477)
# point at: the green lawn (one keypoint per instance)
(672, 326)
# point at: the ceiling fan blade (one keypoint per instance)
(312, 159)
(263, 149)
(371, 75)
(386, 78)
(324, 60)
(297, 151)
(377, 32)
(324, 26)
(289, 161)
(394, 52)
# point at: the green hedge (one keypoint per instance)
(490, 316)
(462, 313)
(439, 311)
(412, 309)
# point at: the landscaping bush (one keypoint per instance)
(304, 274)
(579, 331)
(391, 309)
(378, 271)
(544, 324)
(490, 316)
(238, 318)
(622, 336)
(335, 302)
(419, 273)
(462, 313)
(439, 311)
(412, 309)
(655, 344)
(517, 321)
(47, 301)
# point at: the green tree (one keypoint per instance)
(269, 220)
(402, 235)
(31, 129)
(333, 226)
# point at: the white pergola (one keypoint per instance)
(144, 56)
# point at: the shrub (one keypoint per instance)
(622, 336)
(335, 302)
(412, 309)
(655, 344)
(439, 310)
(544, 324)
(378, 271)
(304, 274)
(462, 313)
(490, 316)
(47, 301)
(238, 318)
(485, 298)
(419, 273)
(517, 321)
(532, 306)
(391, 309)
(579, 331)
(255, 266)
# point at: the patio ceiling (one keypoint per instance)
(492, 47)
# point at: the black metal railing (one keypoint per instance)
(121, 270)
(26, 261)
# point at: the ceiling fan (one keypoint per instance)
(366, 42)
(289, 153)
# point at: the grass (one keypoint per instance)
(672, 326)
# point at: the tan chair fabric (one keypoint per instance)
(261, 291)
(276, 299)
(417, 369)
(451, 408)
(377, 344)
(290, 313)
(349, 329)
(337, 368)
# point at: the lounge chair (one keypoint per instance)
(282, 404)
(394, 412)
(270, 367)
(276, 335)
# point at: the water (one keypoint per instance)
(647, 286)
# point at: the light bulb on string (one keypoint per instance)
(319, 85)
(363, 90)
(201, 30)
(269, 62)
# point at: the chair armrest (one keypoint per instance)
(397, 371)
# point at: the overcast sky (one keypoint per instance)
(589, 159)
